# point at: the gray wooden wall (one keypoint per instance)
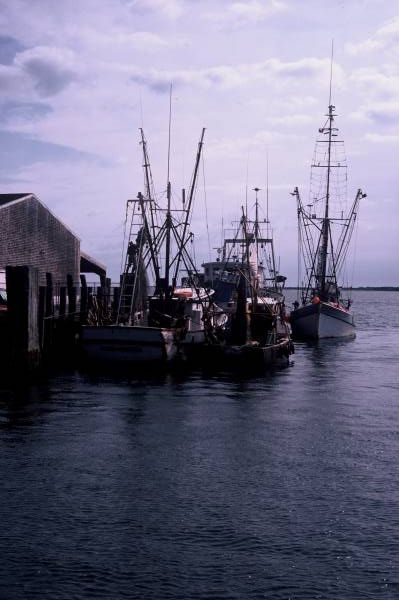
(30, 235)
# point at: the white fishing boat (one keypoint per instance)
(155, 317)
(127, 345)
(324, 235)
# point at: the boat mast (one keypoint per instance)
(256, 190)
(246, 259)
(267, 195)
(150, 234)
(257, 236)
(168, 222)
(326, 220)
(268, 229)
(168, 225)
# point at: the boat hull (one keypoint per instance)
(247, 357)
(322, 320)
(128, 344)
(256, 356)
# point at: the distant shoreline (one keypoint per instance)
(362, 288)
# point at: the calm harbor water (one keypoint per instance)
(281, 486)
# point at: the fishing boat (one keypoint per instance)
(155, 315)
(324, 235)
(249, 290)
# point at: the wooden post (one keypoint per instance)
(108, 292)
(49, 311)
(23, 298)
(100, 294)
(41, 313)
(62, 301)
(47, 339)
(83, 299)
(115, 304)
(71, 290)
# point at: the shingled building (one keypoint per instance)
(31, 235)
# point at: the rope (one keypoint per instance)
(206, 208)
(354, 251)
(124, 238)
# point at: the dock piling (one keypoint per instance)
(23, 295)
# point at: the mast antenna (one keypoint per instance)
(170, 121)
(168, 221)
(141, 110)
(331, 70)
(256, 190)
(246, 186)
(267, 193)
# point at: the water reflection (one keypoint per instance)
(193, 484)
(24, 404)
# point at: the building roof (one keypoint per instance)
(87, 263)
(7, 198)
(91, 265)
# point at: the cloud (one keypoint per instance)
(13, 82)
(272, 70)
(254, 10)
(143, 40)
(70, 188)
(229, 147)
(295, 120)
(51, 69)
(384, 113)
(66, 72)
(380, 113)
(381, 83)
(12, 112)
(384, 37)
(43, 70)
(121, 41)
(9, 47)
(171, 9)
(241, 14)
(378, 138)
(19, 151)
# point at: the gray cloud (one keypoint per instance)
(238, 15)
(12, 82)
(51, 69)
(271, 71)
(46, 70)
(385, 37)
(9, 47)
(18, 150)
(23, 111)
(384, 117)
(171, 9)
(381, 114)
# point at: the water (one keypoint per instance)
(283, 486)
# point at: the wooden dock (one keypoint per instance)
(41, 325)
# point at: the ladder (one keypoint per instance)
(131, 306)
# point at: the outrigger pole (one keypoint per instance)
(189, 203)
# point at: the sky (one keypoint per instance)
(78, 79)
